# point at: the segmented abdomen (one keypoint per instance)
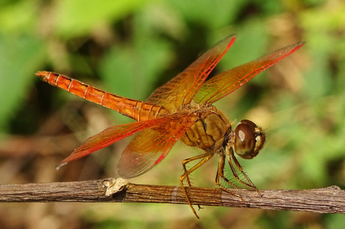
(132, 108)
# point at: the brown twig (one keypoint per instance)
(324, 200)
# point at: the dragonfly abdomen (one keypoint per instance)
(132, 108)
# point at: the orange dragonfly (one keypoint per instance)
(180, 109)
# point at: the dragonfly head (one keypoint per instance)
(248, 139)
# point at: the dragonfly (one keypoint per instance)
(182, 109)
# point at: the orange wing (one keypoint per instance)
(151, 146)
(163, 135)
(224, 83)
(183, 87)
(114, 134)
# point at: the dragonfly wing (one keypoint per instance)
(111, 135)
(224, 83)
(151, 146)
(183, 87)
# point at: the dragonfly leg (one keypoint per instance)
(220, 174)
(231, 156)
(205, 157)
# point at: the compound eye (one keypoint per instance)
(248, 139)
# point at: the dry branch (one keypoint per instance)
(325, 200)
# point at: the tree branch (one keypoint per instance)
(324, 200)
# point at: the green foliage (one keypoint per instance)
(19, 55)
(78, 17)
(130, 47)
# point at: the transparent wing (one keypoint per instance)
(114, 134)
(183, 87)
(152, 145)
(224, 83)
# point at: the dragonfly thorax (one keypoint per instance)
(209, 131)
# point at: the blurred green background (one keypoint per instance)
(130, 47)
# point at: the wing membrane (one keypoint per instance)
(152, 145)
(111, 135)
(224, 83)
(182, 88)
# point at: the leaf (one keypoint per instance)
(19, 60)
(78, 17)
